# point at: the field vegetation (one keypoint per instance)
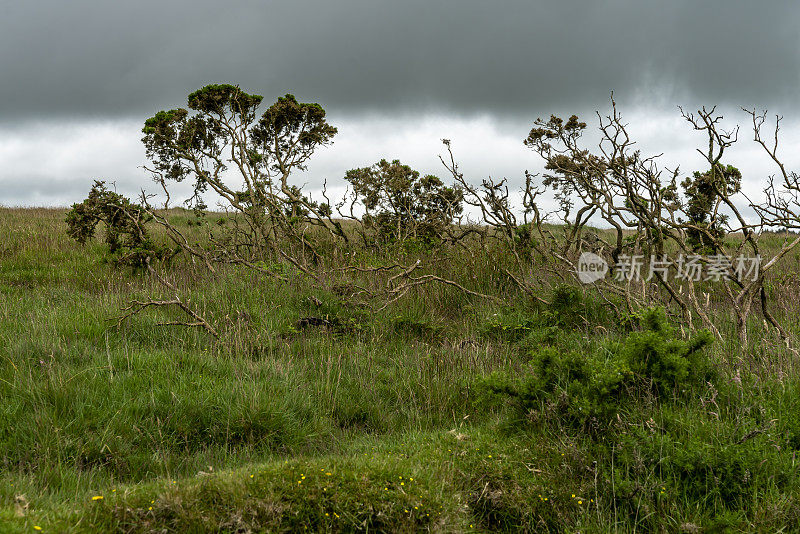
(418, 356)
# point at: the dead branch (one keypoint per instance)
(137, 306)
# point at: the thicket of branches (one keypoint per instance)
(249, 161)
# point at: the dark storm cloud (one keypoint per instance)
(103, 59)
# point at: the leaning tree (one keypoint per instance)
(225, 149)
(246, 159)
(641, 202)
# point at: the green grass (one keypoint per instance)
(179, 433)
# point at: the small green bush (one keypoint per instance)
(686, 458)
(599, 384)
(125, 233)
(655, 355)
(566, 303)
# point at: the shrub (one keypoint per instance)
(126, 236)
(566, 303)
(685, 458)
(510, 329)
(569, 307)
(403, 205)
(416, 328)
(596, 385)
(668, 363)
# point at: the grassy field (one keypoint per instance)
(416, 417)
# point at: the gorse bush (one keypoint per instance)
(663, 362)
(125, 234)
(702, 464)
(401, 204)
(650, 426)
(567, 309)
(597, 385)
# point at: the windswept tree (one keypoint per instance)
(225, 147)
(401, 204)
(640, 200)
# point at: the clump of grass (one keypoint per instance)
(419, 328)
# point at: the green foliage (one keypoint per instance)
(565, 307)
(567, 310)
(417, 328)
(401, 204)
(327, 314)
(570, 308)
(125, 234)
(298, 206)
(595, 386)
(523, 237)
(217, 98)
(554, 128)
(703, 463)
(509, 328)
(672, 365)
(704, 192)
(287, 122)
(222, 128)
(566, 173)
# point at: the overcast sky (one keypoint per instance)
(79, 78)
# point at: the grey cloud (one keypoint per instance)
(25, 190)
(101, 59)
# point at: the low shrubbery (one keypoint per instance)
(128, 240)
(568, 310)
(596, 386)
(653, 426)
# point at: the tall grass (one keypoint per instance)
(140, 412)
